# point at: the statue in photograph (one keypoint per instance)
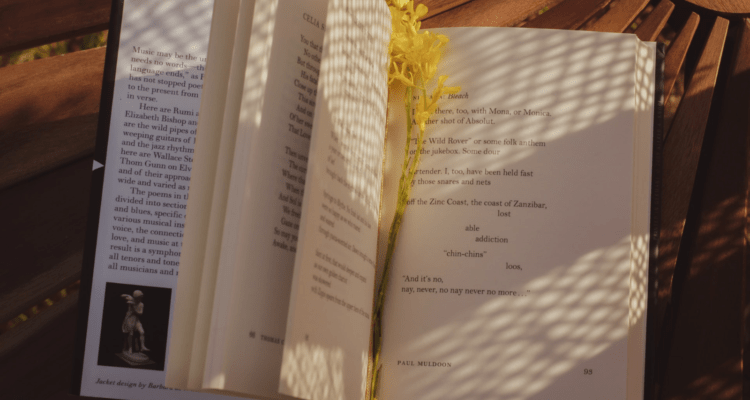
(132, 350)
(132, 323)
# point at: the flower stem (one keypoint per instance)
(404, 189)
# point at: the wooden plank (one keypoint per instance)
(706, 344)
(49, 110)
(25, 24)
(435, 7)
(36, 357)
(655, 22)
(569, 14)
(488, 13)
(682, 150)
(677, 52)
(618, 18)
(725, 7)
(44, 222)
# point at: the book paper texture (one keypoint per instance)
(512, 269)
(327, 338)
(155, 106)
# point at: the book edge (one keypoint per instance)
(95, 195)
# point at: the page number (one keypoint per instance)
(588, 371)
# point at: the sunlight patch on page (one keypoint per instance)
(314, 371)
(529, 343)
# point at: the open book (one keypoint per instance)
(521, 270)
(522, 264)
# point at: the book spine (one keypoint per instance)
(95, 196)
(650, 381)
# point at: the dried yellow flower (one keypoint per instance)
(414, 58)
(414, 54)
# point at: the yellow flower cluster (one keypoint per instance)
(414, 56)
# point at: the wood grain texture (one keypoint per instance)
(49, 110)
(36, 357)
(44, 223)
(726, 7)
(677, 52)
(682, 150)
(25, 24)
(655, 22)
(618, 18)
(435, 7)
(706, 346)
(488, 13)
(569, 14)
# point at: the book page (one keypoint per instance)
(260, 230)
(512, 269)
(156, 100)
(221, 184)
(203, 176)
(328, 329)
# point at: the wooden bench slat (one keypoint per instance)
(43, 247)
(708, 295)
(25, 24)
(682, 150)
(728, 8)
(49, 110)
(655, 22)
(488, 13)
(618, 18)
(435, 7)
(677, 53)
(570, 14)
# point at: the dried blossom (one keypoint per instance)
(414, 58)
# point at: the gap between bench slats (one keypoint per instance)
(36, 357)
(25, 24)
(44, 221)
(49, 109)
(745, 45)
(706, 348)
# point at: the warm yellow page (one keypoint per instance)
(328, 328)
(511, 272)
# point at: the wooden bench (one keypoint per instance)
(49, 110)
